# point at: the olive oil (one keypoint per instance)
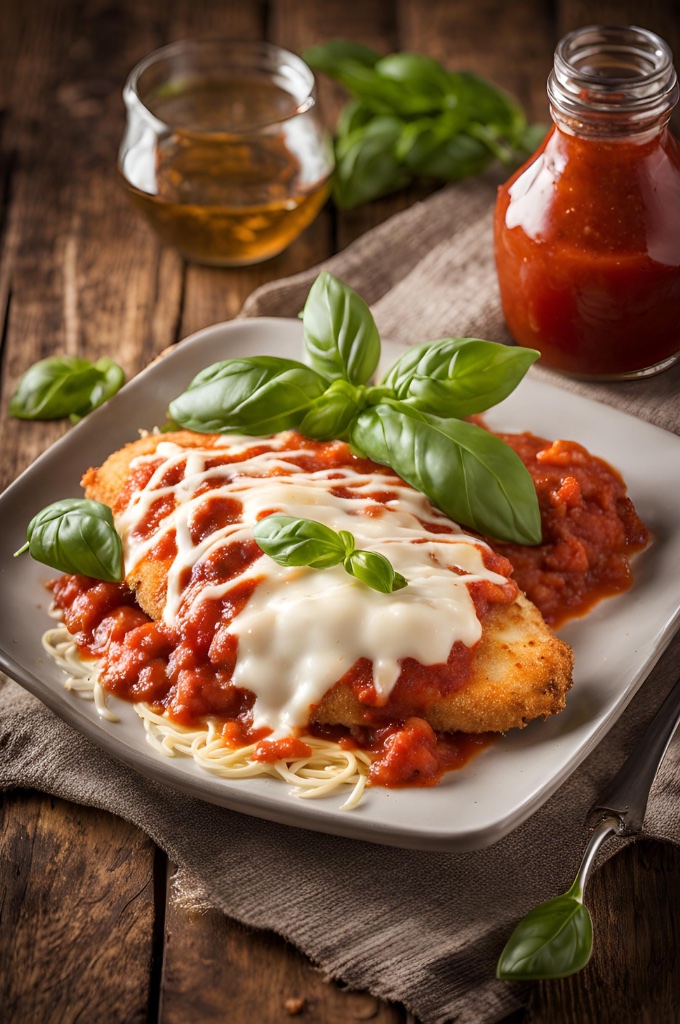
(237, 174)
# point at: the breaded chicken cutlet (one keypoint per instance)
(518, 670)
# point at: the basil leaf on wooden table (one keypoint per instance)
(470, 474)
(63, 386)
(76, 535)
(256, 395)
(554, 940)
(459, 376)
(340, 336)
(290, 541)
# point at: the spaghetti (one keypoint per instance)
(327, 769)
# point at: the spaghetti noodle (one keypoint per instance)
(324, 771)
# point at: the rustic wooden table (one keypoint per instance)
(89, 929)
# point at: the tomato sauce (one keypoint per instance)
(587, 242)
(589, 529)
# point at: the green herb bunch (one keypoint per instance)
(412, 118)
(413, 420)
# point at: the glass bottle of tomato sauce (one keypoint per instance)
(587, 232)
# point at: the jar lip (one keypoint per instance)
(256, 51)
(621, 38)
(585, 89)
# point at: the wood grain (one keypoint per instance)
(84, 912)
(76, 914)
(634, 974)
(226, 972)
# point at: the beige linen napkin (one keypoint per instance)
(420, 928)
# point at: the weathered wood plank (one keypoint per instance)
(634, 975)
(510, 44)
(84, 274)
(76, 914)
(216, 970)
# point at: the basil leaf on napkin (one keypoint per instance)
(340, 336)
(256, 395)
(470, 474)
(554, 940)
(77, 535)
(65, 386)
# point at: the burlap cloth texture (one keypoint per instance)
(424, 929)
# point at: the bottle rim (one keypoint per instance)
(611, 77)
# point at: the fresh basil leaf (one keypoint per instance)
(76, 535)
(471, 475)
(422, 138)
(375, 570)
(110, 381)
(553, 941)
(331, 57)
(400, 373)
(348, 541)
(530, 138)
(331, 414)
(340, 336)
(454, 158)
(494, 141)
(425, 82)
(355, 115)
(63, 386)
(257, 395)
(484, 103)
(366, 164)
(292, 541)
(457, 377)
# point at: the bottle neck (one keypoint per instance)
(612, 82)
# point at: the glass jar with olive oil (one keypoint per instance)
(224, 150)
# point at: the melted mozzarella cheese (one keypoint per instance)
(303, 629)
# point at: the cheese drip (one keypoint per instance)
(303, 629)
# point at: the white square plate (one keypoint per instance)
(615, 646)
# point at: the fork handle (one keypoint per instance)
(627, 794)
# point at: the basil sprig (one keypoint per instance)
(291, 541)
(410, 118)
(411, 421)
(65, 386)
(554, 940)
(77, 535)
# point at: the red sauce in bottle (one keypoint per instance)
(587, 232)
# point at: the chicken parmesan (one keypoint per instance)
(211, 638)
